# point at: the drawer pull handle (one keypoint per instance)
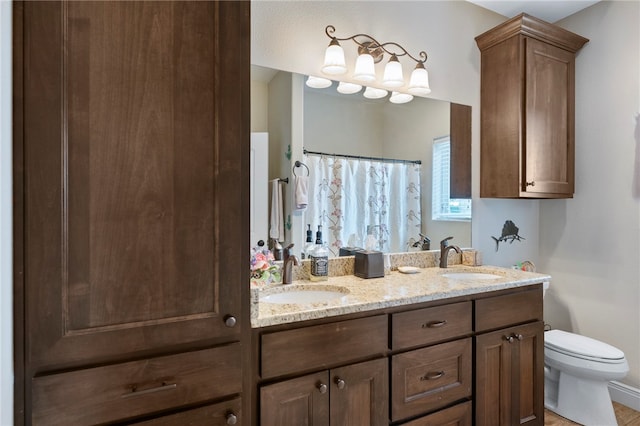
(434, 324)
(162, 387)
(432, 375)
(322, 388)
(232, 419)
(340, 383)
(532, 183)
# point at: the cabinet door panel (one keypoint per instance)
(510, 376)
(549, 141)
(299, 401)
(363, 398)
(530, 374)
(493, 379)
(127, 185)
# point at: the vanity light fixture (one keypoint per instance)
(400, 98)
(374, 93)
(318, 82)
(348, 88)
(370, 52)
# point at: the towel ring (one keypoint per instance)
(300, 164)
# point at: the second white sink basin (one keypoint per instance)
(303, 295)
(471, 276)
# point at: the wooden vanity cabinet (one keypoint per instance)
(131, 142)
(527, 124)
(446, 362)
(509, 367)
(353, 393)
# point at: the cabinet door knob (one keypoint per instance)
(230, 321)
(532, 183)
(322, 388)
(508, 339)
(340, 383)
(519, 336)
(232, 419)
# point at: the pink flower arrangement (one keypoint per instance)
(263, 267)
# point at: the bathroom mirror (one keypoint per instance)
(335, 123)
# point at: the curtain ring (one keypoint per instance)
(300, 164)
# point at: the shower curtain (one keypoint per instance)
(354, 198)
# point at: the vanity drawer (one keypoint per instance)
(211, 415)
(322, 346)
(503, 311)
(430, 378)
(120, 391)
(431, 325)
(459, 415)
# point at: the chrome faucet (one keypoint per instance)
(444, 251)
(287, 266)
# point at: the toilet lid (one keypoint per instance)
(580, 346)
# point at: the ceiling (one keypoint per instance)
(547, 10)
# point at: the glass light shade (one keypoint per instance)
(318, 82)
(393, 73)
(334, 63)
(348, 88)
(374, 93)
(400, 98)
(419, 82)
(365, 69)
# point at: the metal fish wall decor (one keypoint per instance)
(509, 233)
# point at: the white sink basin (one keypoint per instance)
(304, 295)
(471, 276)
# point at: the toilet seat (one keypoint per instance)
(582, 347)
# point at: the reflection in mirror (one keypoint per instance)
(352, 125)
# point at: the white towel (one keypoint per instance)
(276, 222)
(302, 192)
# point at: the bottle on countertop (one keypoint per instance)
(309, 245)
(319, 259)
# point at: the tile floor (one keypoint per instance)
(626, 417)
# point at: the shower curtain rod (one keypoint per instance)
(358, 157)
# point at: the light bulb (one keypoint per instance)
(400, 98)
(393, 73)
(365, 70)
(348, 88)
(334, 63)
(374, 93)
(318, 82)
(419, 82)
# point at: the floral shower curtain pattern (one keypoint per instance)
(353, 198)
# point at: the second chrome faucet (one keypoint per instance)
(445, 248)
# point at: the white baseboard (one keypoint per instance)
(625, 395)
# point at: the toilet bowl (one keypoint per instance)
(577, 372)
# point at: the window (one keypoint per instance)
(443, 207)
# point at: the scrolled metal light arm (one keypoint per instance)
(374, 47)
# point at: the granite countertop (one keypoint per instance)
(395, 289)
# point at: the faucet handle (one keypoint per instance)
(444, 243)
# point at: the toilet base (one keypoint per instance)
(583, 401)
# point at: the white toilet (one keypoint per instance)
(576, 374)
(577, 370)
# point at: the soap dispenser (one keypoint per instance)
(319, 259)
(309, 245)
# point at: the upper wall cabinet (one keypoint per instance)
(527, 109)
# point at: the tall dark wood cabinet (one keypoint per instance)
(527, 122)
(131, 140)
